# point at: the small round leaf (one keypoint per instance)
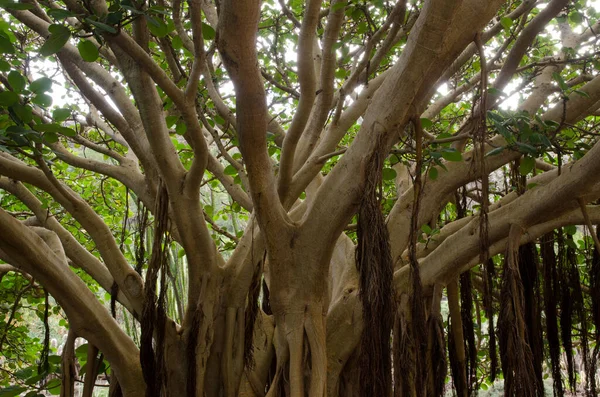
(88, 51)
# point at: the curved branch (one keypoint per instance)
(238, 23)
(325, 98)
(308, 84)
(443, 30)
(78, 254)
(125, 276)
(86, 315)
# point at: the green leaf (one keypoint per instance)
(160, 10)
(43, 100)
(576, 17)
(230, 170)
(16, 81)
(4, 66)
(12, 391)
(157, 26)
(60, 13)
(18, 130)
(341, 73)
(101, 26)
(133, 10)
(55, 128)
(59, 35)
(582, 93)
(23, 112)
(114, 18)
(338, 6)
(526, 166)
(61, 114)
(50, 137)
(181, 128)
(9, 5)
(88, 51)
(506, 22)
(388, 174)
(8, 98)
(426, 123)
(495, 91)
(6, 46)
(526, 149)
(451, 155)
(551, 123)
(433, 173)
(40, 85)
(208, 33)
(171, 120)
(53, 386)
(571, 229)
(561, 82)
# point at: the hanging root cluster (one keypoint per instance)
(550, 305)
(374, 263)
(488, 304)
(528, 268)
(574, 281)
(153, 312)
(403, 351)
(466, 313)
(252, 310)
(436, 347)
(517, 360)
(595, 298)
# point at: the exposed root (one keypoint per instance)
(232, 363)
(404, 352)
(301, 354)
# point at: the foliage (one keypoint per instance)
(101, 103)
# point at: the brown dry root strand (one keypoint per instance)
(348, 384)
(528, 267)
(200, 336)
(232, 363)
(595, 289)
(114, 389)
(43, 365)
(91, 373)
(251, 313)
(153, 314)
(375, 267)
(466, 312)
(515, 353)
(579, 311)
(301, 353)
(67, 387)
(436, 347)
(404, 352)
(566, 310)
(594, 273)
(256, 380)
(418, 313)
(489, 275)
(456, 345)
(550, 305)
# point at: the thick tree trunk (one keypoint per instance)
(299, 300)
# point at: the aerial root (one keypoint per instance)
(300, 344)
